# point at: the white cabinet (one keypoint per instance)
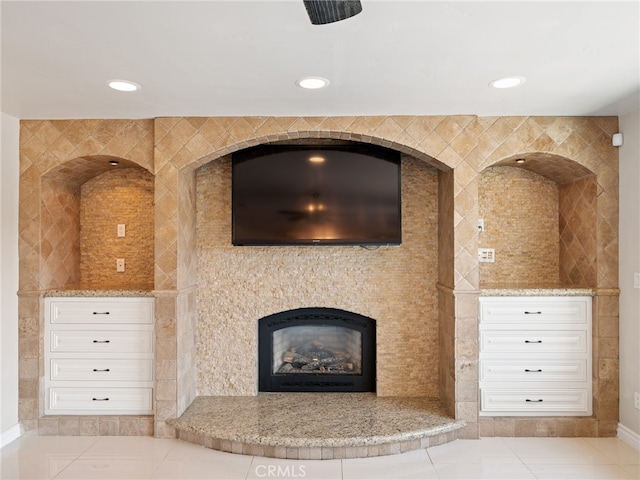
(535, 356)
(99, 355)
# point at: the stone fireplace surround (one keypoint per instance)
(459, 147)
(239, 285)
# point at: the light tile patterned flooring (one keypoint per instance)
(140, 458)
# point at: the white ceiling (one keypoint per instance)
(229, 58)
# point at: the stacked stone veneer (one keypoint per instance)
(65, 154)
(395, 285)
(520, 212)
(121, 196)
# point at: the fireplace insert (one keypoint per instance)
(316, 350)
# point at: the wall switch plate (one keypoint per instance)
(119, 264)
(487, 255)
(480, 225)
(636, 400)
(636, 280)
(121, 231)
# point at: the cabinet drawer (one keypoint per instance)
(533, 341)
(100, 369)
(535, 310)
(102, 310)
(101, 341)
(533, 370)
(74, 401)
(536, 401)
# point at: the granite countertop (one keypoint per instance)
(534, 290)
(102, 291)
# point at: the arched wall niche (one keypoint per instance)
(539, 213)
(396, 285)
(82, 201)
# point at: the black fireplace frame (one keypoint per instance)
(316, 382)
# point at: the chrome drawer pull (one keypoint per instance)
(101, 341)
(533, 341)
(534, 401)
(101, 313)
(527, 370)
(107, 399)
(101, 370)
(533, 313)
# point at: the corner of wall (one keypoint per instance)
(9, 176)
(629, 238)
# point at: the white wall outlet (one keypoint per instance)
(636, 400)
(636, 280)
(119, 264)
(480, 225)
(121, 230)
(487, 255)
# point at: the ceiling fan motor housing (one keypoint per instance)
(328, 11)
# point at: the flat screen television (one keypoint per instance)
(316, 195)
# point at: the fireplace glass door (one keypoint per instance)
(317, 349)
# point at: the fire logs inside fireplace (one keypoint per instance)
(313, 357)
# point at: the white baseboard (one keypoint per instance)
(629, 437)
(10, 435)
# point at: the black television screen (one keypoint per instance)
(302, 195)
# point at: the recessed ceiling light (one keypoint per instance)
(520, 160)
(123, 85)
(508, 82)
(312, 83)
(113, 162)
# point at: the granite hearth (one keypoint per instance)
(316, 426)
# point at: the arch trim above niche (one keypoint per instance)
(558, 168)
(79, 170)
(322, 137)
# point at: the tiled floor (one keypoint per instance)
(139, 458)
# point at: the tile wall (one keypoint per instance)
(578, 232)
(59, 156)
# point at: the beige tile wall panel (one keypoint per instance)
(173, 148)
(67, 152)
(577, 203)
